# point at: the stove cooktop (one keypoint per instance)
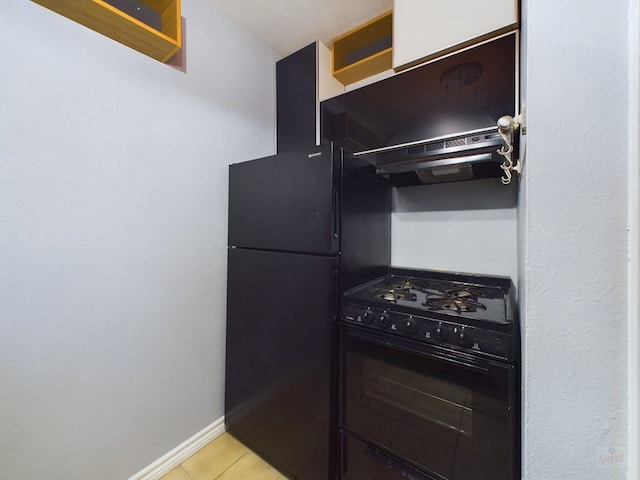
(460, 297)
(470, 313)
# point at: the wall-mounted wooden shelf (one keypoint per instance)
(363, 51)
(105, 18)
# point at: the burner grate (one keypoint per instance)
(399, 284)
(396, 294)
(453, 304)
(460, 300)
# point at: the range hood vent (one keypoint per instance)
(435, 123)
(465, 156)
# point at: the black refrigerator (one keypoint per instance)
(303, 226)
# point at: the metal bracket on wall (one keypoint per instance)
(507, 125)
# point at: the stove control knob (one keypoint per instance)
(410, 327)
(368, 317)
(385, 320)
(462, 337)
(442, 332)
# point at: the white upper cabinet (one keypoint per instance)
(427, 29)
(328, 86)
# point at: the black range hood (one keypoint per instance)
(466, 156)
(433, 124)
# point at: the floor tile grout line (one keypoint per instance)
(186, 472)
(226, 469)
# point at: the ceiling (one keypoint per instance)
(288, 25)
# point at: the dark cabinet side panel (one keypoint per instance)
(296, 100)
(365, 224)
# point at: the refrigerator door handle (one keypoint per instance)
(336, 210)
(336, 293)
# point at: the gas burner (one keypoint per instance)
(393, 295)
(459, 304)
(405, 285)
(462, 293)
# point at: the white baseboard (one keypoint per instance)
(175, 457)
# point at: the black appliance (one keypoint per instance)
(302, 226)
(429, 378)
(435, 123)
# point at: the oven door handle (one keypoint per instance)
(426, 351)
(469, 366)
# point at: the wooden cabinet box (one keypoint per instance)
(105, 18)
(364, 51)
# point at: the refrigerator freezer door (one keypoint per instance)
(280, 312)
(286, 202)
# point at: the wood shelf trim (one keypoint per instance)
(366, 67)
(106, 19)
(362, 38)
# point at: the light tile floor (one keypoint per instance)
(224, 458)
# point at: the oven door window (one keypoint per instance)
(446, 413)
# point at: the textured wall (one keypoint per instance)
(462, 226)
(573, 212)
(634, 239)
(113, 198)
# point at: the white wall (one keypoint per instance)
(113, 205)
(633, 287)
(462, 226)
(574, 240)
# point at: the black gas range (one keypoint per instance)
(429, 378)
(464, 312)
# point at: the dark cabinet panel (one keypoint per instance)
(296, 77)
(365, 241)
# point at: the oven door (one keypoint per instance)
(449, 414)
